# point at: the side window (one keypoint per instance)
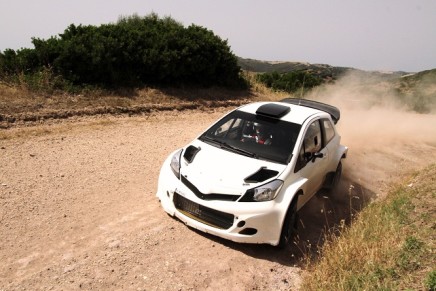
(312, 143)
(328, 130)
(312, 139)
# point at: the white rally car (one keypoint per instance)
(245, 178)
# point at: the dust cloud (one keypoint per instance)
(387, 142)
(386, 139)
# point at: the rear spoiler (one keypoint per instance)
(332, 110)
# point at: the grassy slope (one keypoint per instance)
(390, 246)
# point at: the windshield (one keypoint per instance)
(255, 136)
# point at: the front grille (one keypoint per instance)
(202, 213)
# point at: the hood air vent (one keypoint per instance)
(190, 153)
(262, 175)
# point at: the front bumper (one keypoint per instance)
(244, 222)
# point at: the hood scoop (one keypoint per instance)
(261, 175)
(190, 153)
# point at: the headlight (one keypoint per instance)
(175, 163)
(265, 192)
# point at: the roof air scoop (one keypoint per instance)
(261, 175)
(273, 110)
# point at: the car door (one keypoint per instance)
(312, 161)
(331, 142)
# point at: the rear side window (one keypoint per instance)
(329, 131)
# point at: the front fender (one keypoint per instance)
(291, 192)
(342, 152)
(338, 155)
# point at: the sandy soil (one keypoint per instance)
(78, 209)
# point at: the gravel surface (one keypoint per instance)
(78, 210)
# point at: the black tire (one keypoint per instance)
(336, 178)
(289, 226)
(332, 181)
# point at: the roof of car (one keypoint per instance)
(297, 114)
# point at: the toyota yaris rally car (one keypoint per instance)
(245, 178)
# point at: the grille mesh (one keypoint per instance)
(202, 213)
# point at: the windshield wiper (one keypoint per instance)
(241, 151)
(225, 145)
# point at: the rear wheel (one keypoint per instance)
(289, 226)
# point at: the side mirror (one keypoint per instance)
(317, 155)
(308, 156)
(313, 156)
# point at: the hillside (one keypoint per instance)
(322, 70)
(283, 67)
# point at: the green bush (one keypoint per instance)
(290, 82)
(132, 52)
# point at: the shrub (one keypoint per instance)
(134, 51)
(290, 82)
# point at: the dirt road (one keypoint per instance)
(78, 210)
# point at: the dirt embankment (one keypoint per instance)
(78, 207)
(44, 116)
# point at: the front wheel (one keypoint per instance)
(289, 226)
(332, 179)
(336, 178)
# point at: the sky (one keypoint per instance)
(386, 35)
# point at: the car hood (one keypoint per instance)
(218, 171)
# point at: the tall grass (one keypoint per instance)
(389, 246)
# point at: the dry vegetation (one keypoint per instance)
(390, 246)
(19, 106)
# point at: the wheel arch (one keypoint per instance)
(285, 221)
(293, 191)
